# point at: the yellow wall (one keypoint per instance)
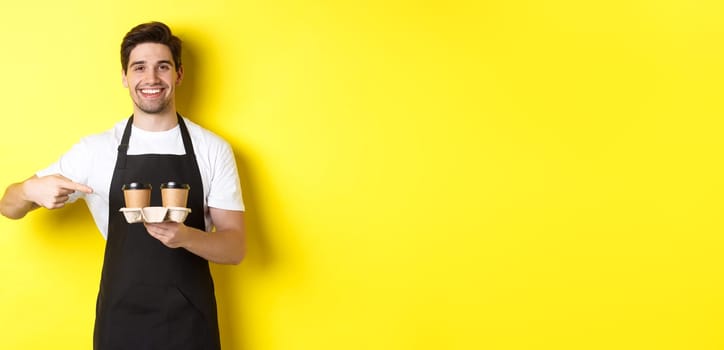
(418, 174)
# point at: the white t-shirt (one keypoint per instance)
(92, 160)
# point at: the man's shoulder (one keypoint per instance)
(110, 136)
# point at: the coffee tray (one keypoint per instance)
(155, 214)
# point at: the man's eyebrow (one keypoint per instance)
(144, 62)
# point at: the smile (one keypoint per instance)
(150, 92)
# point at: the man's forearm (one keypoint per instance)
(226, 245)
(221, 247)
(13, 204)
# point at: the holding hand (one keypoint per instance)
(171, 234)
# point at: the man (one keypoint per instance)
(156, 291)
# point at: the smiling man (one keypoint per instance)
(156, 290)
(151, 78)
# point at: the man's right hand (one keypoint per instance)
(51, 191)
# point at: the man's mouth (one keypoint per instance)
(151, 92)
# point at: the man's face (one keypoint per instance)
(151, 78)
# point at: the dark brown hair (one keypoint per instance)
(151, 32)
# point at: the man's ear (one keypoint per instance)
(180, 73)
(123, 78)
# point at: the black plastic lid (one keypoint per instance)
(136, 186)
(173, 184)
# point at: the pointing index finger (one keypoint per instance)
(69, 184)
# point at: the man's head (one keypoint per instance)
(151, 32)
(151, 58)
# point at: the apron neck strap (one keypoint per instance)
(123, 146)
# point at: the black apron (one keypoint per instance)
(153, 297)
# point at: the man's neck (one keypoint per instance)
(155, 122)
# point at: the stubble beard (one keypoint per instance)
(152, 107)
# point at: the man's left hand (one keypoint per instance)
(171, 234)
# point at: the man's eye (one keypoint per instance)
(138, 68)
(164, 67)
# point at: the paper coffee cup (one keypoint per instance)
(137, 195)
(174, 194)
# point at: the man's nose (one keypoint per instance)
(152, 75)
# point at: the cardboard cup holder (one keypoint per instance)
(155, 214)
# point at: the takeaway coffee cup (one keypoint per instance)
(174, 194)
(137, 195)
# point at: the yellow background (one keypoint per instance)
(418, 174)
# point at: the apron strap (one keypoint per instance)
(123, 147)
(188, 146)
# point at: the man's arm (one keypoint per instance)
(50, 191)
(226, 245)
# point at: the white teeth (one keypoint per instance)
(150, 91)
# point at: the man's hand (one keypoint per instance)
(171, 234)
(225, 245)
(51, 191)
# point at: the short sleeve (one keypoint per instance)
(224, 187)
(74, 165)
